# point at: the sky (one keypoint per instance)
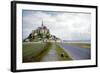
(64, 25)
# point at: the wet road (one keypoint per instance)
(76, 52)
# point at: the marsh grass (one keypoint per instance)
(62, 55)
(33, 52)
(81, 45)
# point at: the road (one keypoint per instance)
(77, 53)
(51, 55)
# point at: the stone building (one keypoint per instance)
(42, 33)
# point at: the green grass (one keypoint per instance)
(43, 53)
(61, 51)
(33, 52)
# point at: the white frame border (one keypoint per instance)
(20, 65)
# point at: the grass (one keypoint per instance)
(81, 45)
(43, 52)
(33, 52)
(62, 55)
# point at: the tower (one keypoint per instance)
(42, 23)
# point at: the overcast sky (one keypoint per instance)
(64, 25)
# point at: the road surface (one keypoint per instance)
(77, 53)
(51, 55)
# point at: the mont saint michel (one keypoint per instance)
(42, 33)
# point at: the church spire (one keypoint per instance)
(42, 23)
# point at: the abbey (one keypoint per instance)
(42, 33)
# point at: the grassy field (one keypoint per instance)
(63, 56)
(33, 52)
(81, 45)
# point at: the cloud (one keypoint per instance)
(67, 26)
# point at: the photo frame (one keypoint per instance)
(48, 36)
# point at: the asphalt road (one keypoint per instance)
(77, 53)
